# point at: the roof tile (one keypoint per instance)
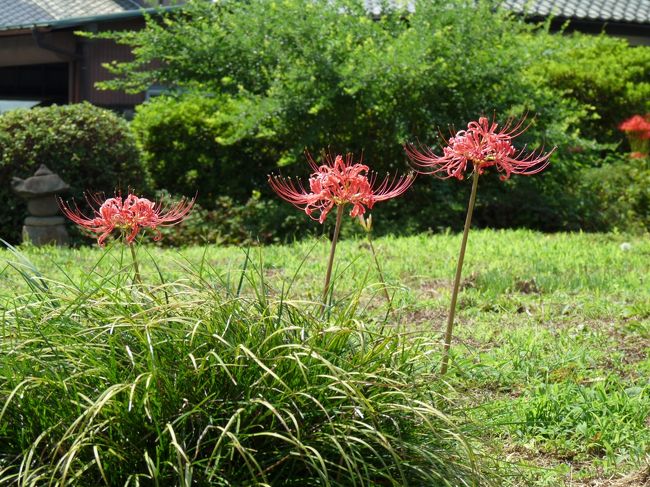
(25, 13)
(636, 11)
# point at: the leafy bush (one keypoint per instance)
(328, 76)
(180, 140)
(259, 82)
(618, 193)
(91, 149)
(257, 221)
(603, 74)
(195, 383)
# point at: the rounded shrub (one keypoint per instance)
(183, 144)
(606, 77)
(91, 148)
(618, 193)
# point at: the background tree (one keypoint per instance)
(253, 84)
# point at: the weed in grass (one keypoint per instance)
(604, 419)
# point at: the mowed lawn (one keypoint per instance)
(551, 353)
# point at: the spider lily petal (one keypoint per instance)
(482, 145)
(637, 126)
(339, 181)
(127, 215)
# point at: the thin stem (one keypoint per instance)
(136, 267)
(328, 276)
(459, 269)
(381, 274)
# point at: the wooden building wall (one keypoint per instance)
(84, 58)
(98, 52)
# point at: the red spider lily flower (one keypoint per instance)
(637, 126)
(128, 216)
(483, 145)
(338, 182)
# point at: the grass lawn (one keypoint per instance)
(551, 354)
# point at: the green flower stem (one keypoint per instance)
(459, 269)
(381, 274)
(136, 268)
(337, 230)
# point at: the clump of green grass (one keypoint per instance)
(194, 382)
(605, 419)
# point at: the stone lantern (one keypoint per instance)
(44, 225)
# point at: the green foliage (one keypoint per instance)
(619, 192)
(214, 379)
(91, 149)
(261, 81)
(181, 144)
(605, 419)
(257, 221)
(254, 84)
(603, 74)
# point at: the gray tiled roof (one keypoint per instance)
(637, 11)
(24, 13)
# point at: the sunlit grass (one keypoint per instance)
(550, 361)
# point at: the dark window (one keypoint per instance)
(47, 83)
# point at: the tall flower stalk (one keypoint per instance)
(126, 217)
(330, 260)
(481, 146)
(338, 182)
(136, 267)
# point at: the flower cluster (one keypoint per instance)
(637, 126)
(637, 129)
(339, 182)
(483, 145)
(127, 216)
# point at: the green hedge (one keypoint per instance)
(606, 77)
(617, 195)
(179, 140)
(92, 149)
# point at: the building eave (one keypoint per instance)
(615, 27)
(79, 21)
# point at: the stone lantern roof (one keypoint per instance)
(43, 182)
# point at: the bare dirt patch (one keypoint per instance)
(433, 287)
(640, 478)
(527, 286)
(545, 460)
